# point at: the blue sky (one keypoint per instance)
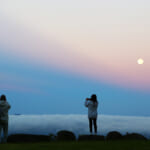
(37, 90)
(54, 54)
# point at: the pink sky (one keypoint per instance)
(96, 39)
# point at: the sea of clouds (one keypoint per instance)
(51, 124)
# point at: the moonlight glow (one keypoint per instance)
(140, 61)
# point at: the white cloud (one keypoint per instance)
(46, 124)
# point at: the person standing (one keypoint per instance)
(92, 105)
(4, 107)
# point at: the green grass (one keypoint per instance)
(101, 145)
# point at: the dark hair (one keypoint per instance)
(3, 98)
(94, 98)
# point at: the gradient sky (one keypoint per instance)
(54, 54)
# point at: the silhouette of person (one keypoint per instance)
(4, 107)
(92, 105)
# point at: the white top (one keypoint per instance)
(92, 108)
(4, 107)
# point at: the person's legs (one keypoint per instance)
(1, 127)
(90, 125)
(5, 128)
(95, 124)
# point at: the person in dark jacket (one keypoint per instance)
(4, 107)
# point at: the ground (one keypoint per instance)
(96, 145)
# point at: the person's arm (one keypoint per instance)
(1, 111)
(7, 107)
(86, 102)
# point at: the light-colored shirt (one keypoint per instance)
(92, 108)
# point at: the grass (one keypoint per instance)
(96, 145)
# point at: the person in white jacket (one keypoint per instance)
(92, 105)
(4, 107)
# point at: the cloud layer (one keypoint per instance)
(46, 124)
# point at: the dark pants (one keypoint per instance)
(93, 121)
(4, 128)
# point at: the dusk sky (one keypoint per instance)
(55, 53)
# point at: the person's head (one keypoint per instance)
(3, 98)
(94, 98)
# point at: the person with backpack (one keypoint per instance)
(92, 105)
(4, 107)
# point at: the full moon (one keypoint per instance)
(140, 61)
